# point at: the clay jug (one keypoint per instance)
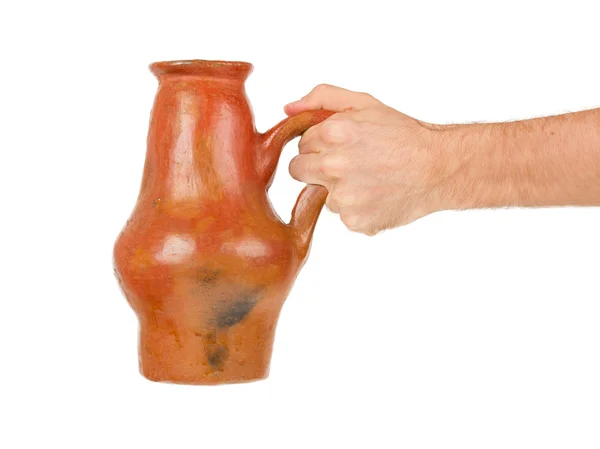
(204, 260)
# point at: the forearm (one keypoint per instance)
(551, 161)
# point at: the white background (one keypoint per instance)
(463, 330)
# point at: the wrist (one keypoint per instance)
(453, 173)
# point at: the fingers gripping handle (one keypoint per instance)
(312, 198)
(275, 139)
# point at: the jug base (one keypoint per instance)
(203, 380)
(190, 358)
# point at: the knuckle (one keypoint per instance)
(367, 96)
(302, 144)
(367, 99)
(331, 204)
(334, 132)
(320, 88)
(342, 196)
(335, 197)
(333, 165)
(295, 167)
(319, 169)
(351, 221)
(329, 130)
(306, 145)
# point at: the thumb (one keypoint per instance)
(333, 98)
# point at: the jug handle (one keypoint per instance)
(311, 200)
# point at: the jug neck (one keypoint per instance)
(202, 138)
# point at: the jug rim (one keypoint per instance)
(203, 67)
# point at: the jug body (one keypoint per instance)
(204, 260)
(207, 288)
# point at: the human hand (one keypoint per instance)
(381, 167)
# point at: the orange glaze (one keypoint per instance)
(204, 260)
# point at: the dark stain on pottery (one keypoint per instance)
(236, 310)
(175, 335)
(217, 356)
(206, 276)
